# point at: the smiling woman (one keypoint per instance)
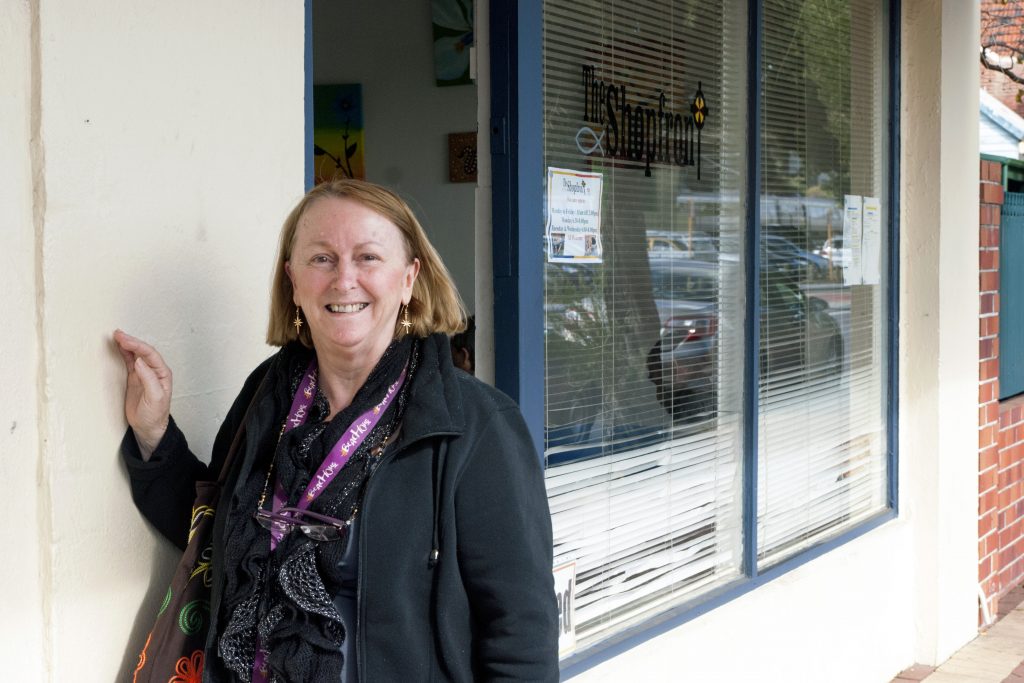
(356, 535)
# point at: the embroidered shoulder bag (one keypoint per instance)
(175, 647)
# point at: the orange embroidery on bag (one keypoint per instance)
(142, 658)
(189, 669)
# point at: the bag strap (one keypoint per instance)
(239, 437)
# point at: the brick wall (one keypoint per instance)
(1002, 23)
(1000, 424)
(1003, 88)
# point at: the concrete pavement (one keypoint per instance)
(995, 656)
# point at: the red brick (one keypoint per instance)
(987, 349)
(989, 303)
(1011, 412)
(988, 326)
(987, 545)
(987, 480)
(991, 170)
(985, 214)
(988, 457)
(991, 194)
(986, 436)
(989, 281)
(988, 259)
(986, 392)
(997, 212)
(984, 569)
(988, 369)
(1005, 458)
(988, 236)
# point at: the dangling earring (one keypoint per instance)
(298, 321)
(406, 324)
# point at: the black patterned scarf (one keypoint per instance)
(287, 596)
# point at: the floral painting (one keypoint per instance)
(338, 132)
(453, 36)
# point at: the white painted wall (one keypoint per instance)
(906, 591)
(169, 149)
(388, 48)
(993, 139)
(22, 575)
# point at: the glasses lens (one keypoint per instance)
(321, 532)
(316, 532)
(264, 519)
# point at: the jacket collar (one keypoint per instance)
(435, 398)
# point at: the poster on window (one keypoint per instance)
(871, 242)
(852, 234)
(574, 216)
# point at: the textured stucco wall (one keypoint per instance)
(938, 352)
(22, 634)
(169, 149)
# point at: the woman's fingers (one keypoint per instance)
(121, 340)
(147, 390)
(138, 348)
(152, 388)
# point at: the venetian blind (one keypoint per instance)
(643, 329)
(821, 420)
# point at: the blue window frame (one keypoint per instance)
(519, 270)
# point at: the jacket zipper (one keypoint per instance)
(385, 459)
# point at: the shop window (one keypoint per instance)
(822, 386)
(665, 428)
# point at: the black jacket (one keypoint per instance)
(462, 477)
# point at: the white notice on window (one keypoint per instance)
(574, 216)
(565, 592)
(871, 264)
(852, 233)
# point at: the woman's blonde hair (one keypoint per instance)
(435, 305)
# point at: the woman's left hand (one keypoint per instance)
(147, 394)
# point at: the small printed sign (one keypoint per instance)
(852, 234)
(565, 592)
(871, 242)
(574, 216)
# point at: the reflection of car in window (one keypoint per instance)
(778, 253)
(681, 363)
(798, 335)
(688, 244)
(834, 251)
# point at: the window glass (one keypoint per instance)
(821, 420)
(644, 317)
(645, 175)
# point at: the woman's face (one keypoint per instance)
(350, 273)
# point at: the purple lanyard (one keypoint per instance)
(336, 459)
(339, 454)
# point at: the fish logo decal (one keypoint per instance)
(588, 136)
